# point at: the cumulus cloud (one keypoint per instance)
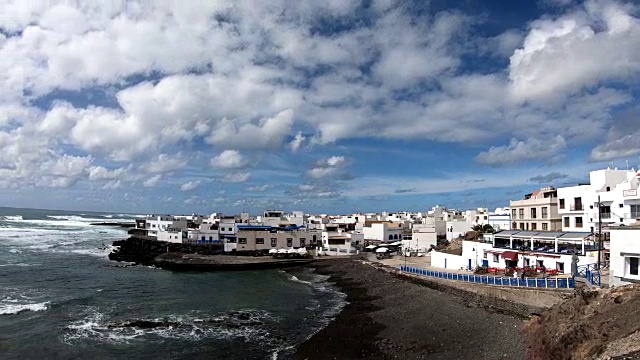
(329, 167)
(152, 181)
(624, 146)
(561, 56)
(543, 150)
(297, 141)
(229, 159)
(164, 163)
(190, 185)
(102, 173)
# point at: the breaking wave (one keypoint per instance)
(14, 309)
(11, 217)
(249, 325)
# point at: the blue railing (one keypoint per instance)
(591, 272)
(551, 283)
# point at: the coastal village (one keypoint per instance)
(585, 231)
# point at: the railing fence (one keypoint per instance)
(550, 283)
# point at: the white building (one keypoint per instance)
(619, 199)
(624, 256)
(457, 228)
(423, 236)
(173, 235)
(515, 248)
(155, 224)
(382, 231)
(500, 219)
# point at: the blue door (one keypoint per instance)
(485, 263)
(469, 264)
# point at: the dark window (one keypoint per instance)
(579, 221)
(621, 205)
(545, 226)
(561, 201)
(242, 240)
(633, 265)
(274, 242)
(303, 242)
(533, 213)
(289, 242)
(260, 241)
(534, 226)
(544, 212)
(210, 238)
(566, 221)
(204, 238)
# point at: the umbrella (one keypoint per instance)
(273, 251)
(282, 251)
(302, 251)
(292, 251)
(382, 250)
(397, 243)
(371, 247)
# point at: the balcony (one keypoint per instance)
(635, 215)
(577, 207)
(606, 215)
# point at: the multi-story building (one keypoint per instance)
(263, 238)
(616, 193)
(538, 211)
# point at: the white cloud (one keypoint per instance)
(259, 188)
(102, 173)
(622, 147)
(329, 167)
(268, 133)
(229, 159)
(112, 185)
(588, 46)
(190, 185)
(297, 142)
(544, 150)
(237, 177)
(164, 163)
(152, 181)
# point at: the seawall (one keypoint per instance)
(520, 302)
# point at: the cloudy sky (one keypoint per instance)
(365, 105)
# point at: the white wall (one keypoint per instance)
(457, 228)
(624, 245)
(448, 261)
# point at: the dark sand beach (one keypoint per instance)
(388, 318)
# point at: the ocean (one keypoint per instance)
(62, 298)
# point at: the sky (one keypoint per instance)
(335, 106)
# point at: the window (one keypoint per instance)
(566, 221)
(274, 242)
(560, 267)
(484, 256)
(608, 188)
(289, 242)
(579, 221)
(540, 263)
(577, 203)
(527, 262)
(303, 242)
(231, 240)
(521, 226)
(561, 203)
(496, 257)
(514, 225)
(513, 213)
(635, 211)
(260, 241)
(545, 226)
(620, 206)
(534, 226)
(544, 212)
(521, 213)
(242, 240)
(533, 213)
(633, 265)
(204, 238)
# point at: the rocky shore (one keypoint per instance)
(389, 318)
(143, 252)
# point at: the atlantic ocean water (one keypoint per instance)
(61, 298)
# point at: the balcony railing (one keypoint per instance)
(635, 215)
(577, 207)
(605, 215)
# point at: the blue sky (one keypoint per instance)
(340, 107)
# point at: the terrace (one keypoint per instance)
(546, 242)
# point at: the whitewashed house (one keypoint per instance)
(624, 266)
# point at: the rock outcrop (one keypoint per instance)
(143, 251)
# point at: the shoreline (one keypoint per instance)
(387, 317)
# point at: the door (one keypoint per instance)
(469, 264)
(445, 263)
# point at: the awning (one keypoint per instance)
(510, 255)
